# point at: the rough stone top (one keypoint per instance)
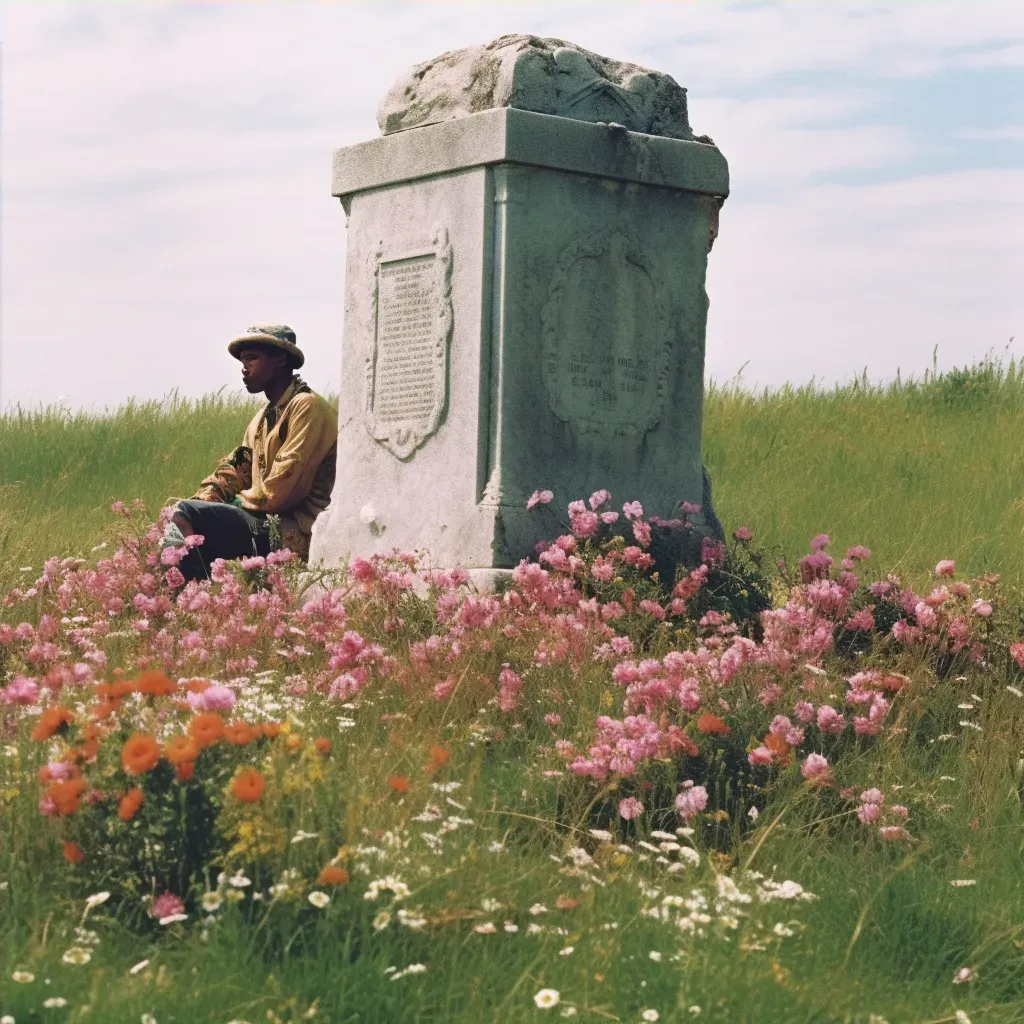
(547, 76)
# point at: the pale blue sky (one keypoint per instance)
(166, 177)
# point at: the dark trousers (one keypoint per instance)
(228, 532)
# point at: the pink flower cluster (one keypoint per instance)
(622, 746)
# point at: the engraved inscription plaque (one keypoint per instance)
(606, 339)
(407, 371)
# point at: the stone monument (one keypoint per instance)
(525, 303)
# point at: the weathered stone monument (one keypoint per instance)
(525, 303)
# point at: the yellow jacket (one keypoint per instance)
(285, 465)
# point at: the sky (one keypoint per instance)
(166, 178)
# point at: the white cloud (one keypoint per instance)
(873, 276)
(1007, 133)
(166, 175)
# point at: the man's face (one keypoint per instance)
(260, 366)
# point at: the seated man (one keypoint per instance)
(284, 468)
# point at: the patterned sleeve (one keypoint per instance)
(232, 475)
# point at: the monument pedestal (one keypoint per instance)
(525, 309)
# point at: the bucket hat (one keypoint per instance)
(279, 336)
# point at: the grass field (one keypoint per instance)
(425, 767)
(917, 470)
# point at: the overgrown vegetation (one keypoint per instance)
(586, 797)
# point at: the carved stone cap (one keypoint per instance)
(548, 76)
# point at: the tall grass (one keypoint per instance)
(916, 469)
(60, 471)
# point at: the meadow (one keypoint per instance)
(926, 464)
(768, 793)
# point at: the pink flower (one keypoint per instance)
(872, 796)
(213, 698)
(442, 691)
(59, 770)
(167, 905)
(830, 720)
(744, 534)
(691, 800)
(21, 690)
(947, 567)
(688, 508)
(609, 517)
(712, 552)
(1017, 653)
(642, 532)
(892, 833)
(174, 578)
(630, 808)
(172, 556)
(553, 720)
(632, 510)
(804, 711)
(868, 813)
(653, 608)
(585, 524)
(862, 620)
(509, 685)
(815, 768)
(539, 498)
(900, 810)
(599, 498)
(982, 608)
(815, 567)
(760, 756)
(858, 553)
(820, 542)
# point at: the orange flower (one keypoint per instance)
(438, 757)
(155, 683)
(73, 853)
(185, 771)
(778, 746)
(51, 721)
(712, 723)
(248, 785)
(332, 875)
(130, 803)
(86, 751)
(399, 783)
(179, 749)
(197, 685)
(293, 741)
(271, 730)
(122, 689)
(323, 744)
(206, 729)
(65, 795)
(238, 733)
(141, 753)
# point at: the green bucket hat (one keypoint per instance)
(275, 335)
